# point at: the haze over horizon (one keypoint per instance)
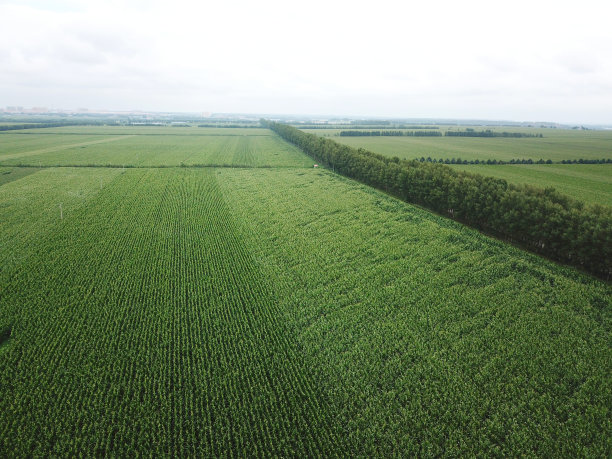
(550, 61)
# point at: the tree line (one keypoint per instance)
(489, 133)
(432, 133)
(586, 161)
(372, 124)
(390, 133)
(232, 126)
(542, 220)
(357, 126)
(16, 127)
(502, 162)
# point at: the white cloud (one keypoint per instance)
(525, 60)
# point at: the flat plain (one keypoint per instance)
(147, 147)
(591, 183)
(277, 309)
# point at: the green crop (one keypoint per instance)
(141, 323)
(590, 183)
(556, 144)
(278, 311)
(133, 148)
(432, 338)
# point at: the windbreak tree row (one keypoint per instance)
(543, 220)
(489, 133)
(17, 127)
(501, 162)
(467, 133)
(390, 134)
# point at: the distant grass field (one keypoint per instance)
(590, 183)
(128, 147)
(12, 144)
(146, 130)
(557, 144)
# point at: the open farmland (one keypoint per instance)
(557, 145)
(132, 147)
(277, 310)
(147, 130)
(589, 183)
(433, 338)
(26, 145)
(8, 174)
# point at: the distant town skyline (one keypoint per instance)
(534, 61)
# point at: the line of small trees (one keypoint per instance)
(213, 125)
(469, 132)
(512, 161)
(586, 161)
(422, 133)
(16, 127)
(543, 220)
(365, 126)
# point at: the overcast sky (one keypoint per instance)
(532, 60)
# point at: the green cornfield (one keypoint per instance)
(274, 309)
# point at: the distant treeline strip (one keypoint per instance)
(488, 133)
(213, 125)
(543, 220)
(466, 133)
(360, 133)
(17, 127)
(501, 162)
(152, 166)
(347, 126)
(388, 123)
